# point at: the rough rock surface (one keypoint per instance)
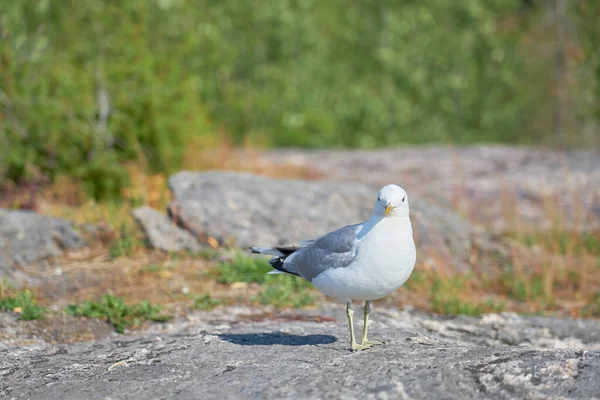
(27, 237)
(60, 329)
(162, 233)
(248, 210)
(244, 353)
(498, 185)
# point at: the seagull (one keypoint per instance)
(365, 261)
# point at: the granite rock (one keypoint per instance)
(162, 233)
(248, 353)
(27, 239)
(244, 210)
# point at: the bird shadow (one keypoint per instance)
(272, 338)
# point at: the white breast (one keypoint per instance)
(385, 258)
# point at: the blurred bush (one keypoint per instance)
(87, 85)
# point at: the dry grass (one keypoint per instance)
(66, 197)
(190, 282)
(532, 282)
(119, 261)
(554, 272)
(225, 156)
(145, 275)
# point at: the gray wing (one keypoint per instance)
(333, 250)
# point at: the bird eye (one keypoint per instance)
(404, 198)
(378, 199)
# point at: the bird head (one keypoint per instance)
(392, 201)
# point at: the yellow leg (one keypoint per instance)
(353, 345)
(364, 339)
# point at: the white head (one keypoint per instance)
(392, 201)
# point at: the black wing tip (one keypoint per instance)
(277, 263)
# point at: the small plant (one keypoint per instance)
(23, 304)
(592, 309)
(523, 287)
(279, 291)
(128, 237)
(448, 297)
(122, 246)
(206, 302)
(209, 254)
(291, 295)
(243, 269)
(118, 313)
(416, 280)
(159, 268)
(563, 243)
(152, 268)
(591, 243)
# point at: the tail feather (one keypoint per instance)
(275, 272)
(271, 251)
(278, 261)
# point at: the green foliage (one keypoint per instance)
(523, 287)
(592, 309)
(587, 13)
(243, 269)
(209, 254)
(287, 293)
(159, 268)
(416, 280)
(122, 247)
(446, 298)
(564, 243)
(86, 86)
(127, 241)
(278, 290)
(206, 302)
(117, 312)
(537, 285)
(29, 309)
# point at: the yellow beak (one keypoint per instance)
(388, 209)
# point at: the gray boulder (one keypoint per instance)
(27, 238)
(242, 209)
(162, 233)
(501, 187)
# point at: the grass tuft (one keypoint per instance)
(243, 269)
(23, 304)
(447, 297)
(277, 290)
(206, 302)
(592, 309)
(286, 292)
(118, 313)
(523, 287)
